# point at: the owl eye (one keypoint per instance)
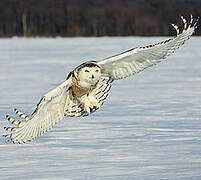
(96, 70)
(87, 71)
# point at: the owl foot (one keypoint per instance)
(90, 103)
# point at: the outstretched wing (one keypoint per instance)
(137, 59)
(49, 111)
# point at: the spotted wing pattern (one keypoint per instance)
(49, 111)
(137, 59)
(55, 104)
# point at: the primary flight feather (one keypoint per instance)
(88, 85)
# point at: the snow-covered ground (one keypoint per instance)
(148, 128)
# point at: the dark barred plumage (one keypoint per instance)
(101, 91)
(88, 85)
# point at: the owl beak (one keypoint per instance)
(92, 76)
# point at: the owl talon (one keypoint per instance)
(91, 109)
(90, 103)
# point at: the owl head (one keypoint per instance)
(88, 74)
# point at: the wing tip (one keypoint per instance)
(191, 25)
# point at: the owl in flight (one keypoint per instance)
(88, 85)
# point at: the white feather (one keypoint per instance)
(49, 111)
(55, 104)
(135, 60)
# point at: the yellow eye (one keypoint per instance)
(96, 70)
(86, 71)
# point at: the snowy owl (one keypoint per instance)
(88, 85)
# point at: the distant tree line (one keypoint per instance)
(53, 18)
